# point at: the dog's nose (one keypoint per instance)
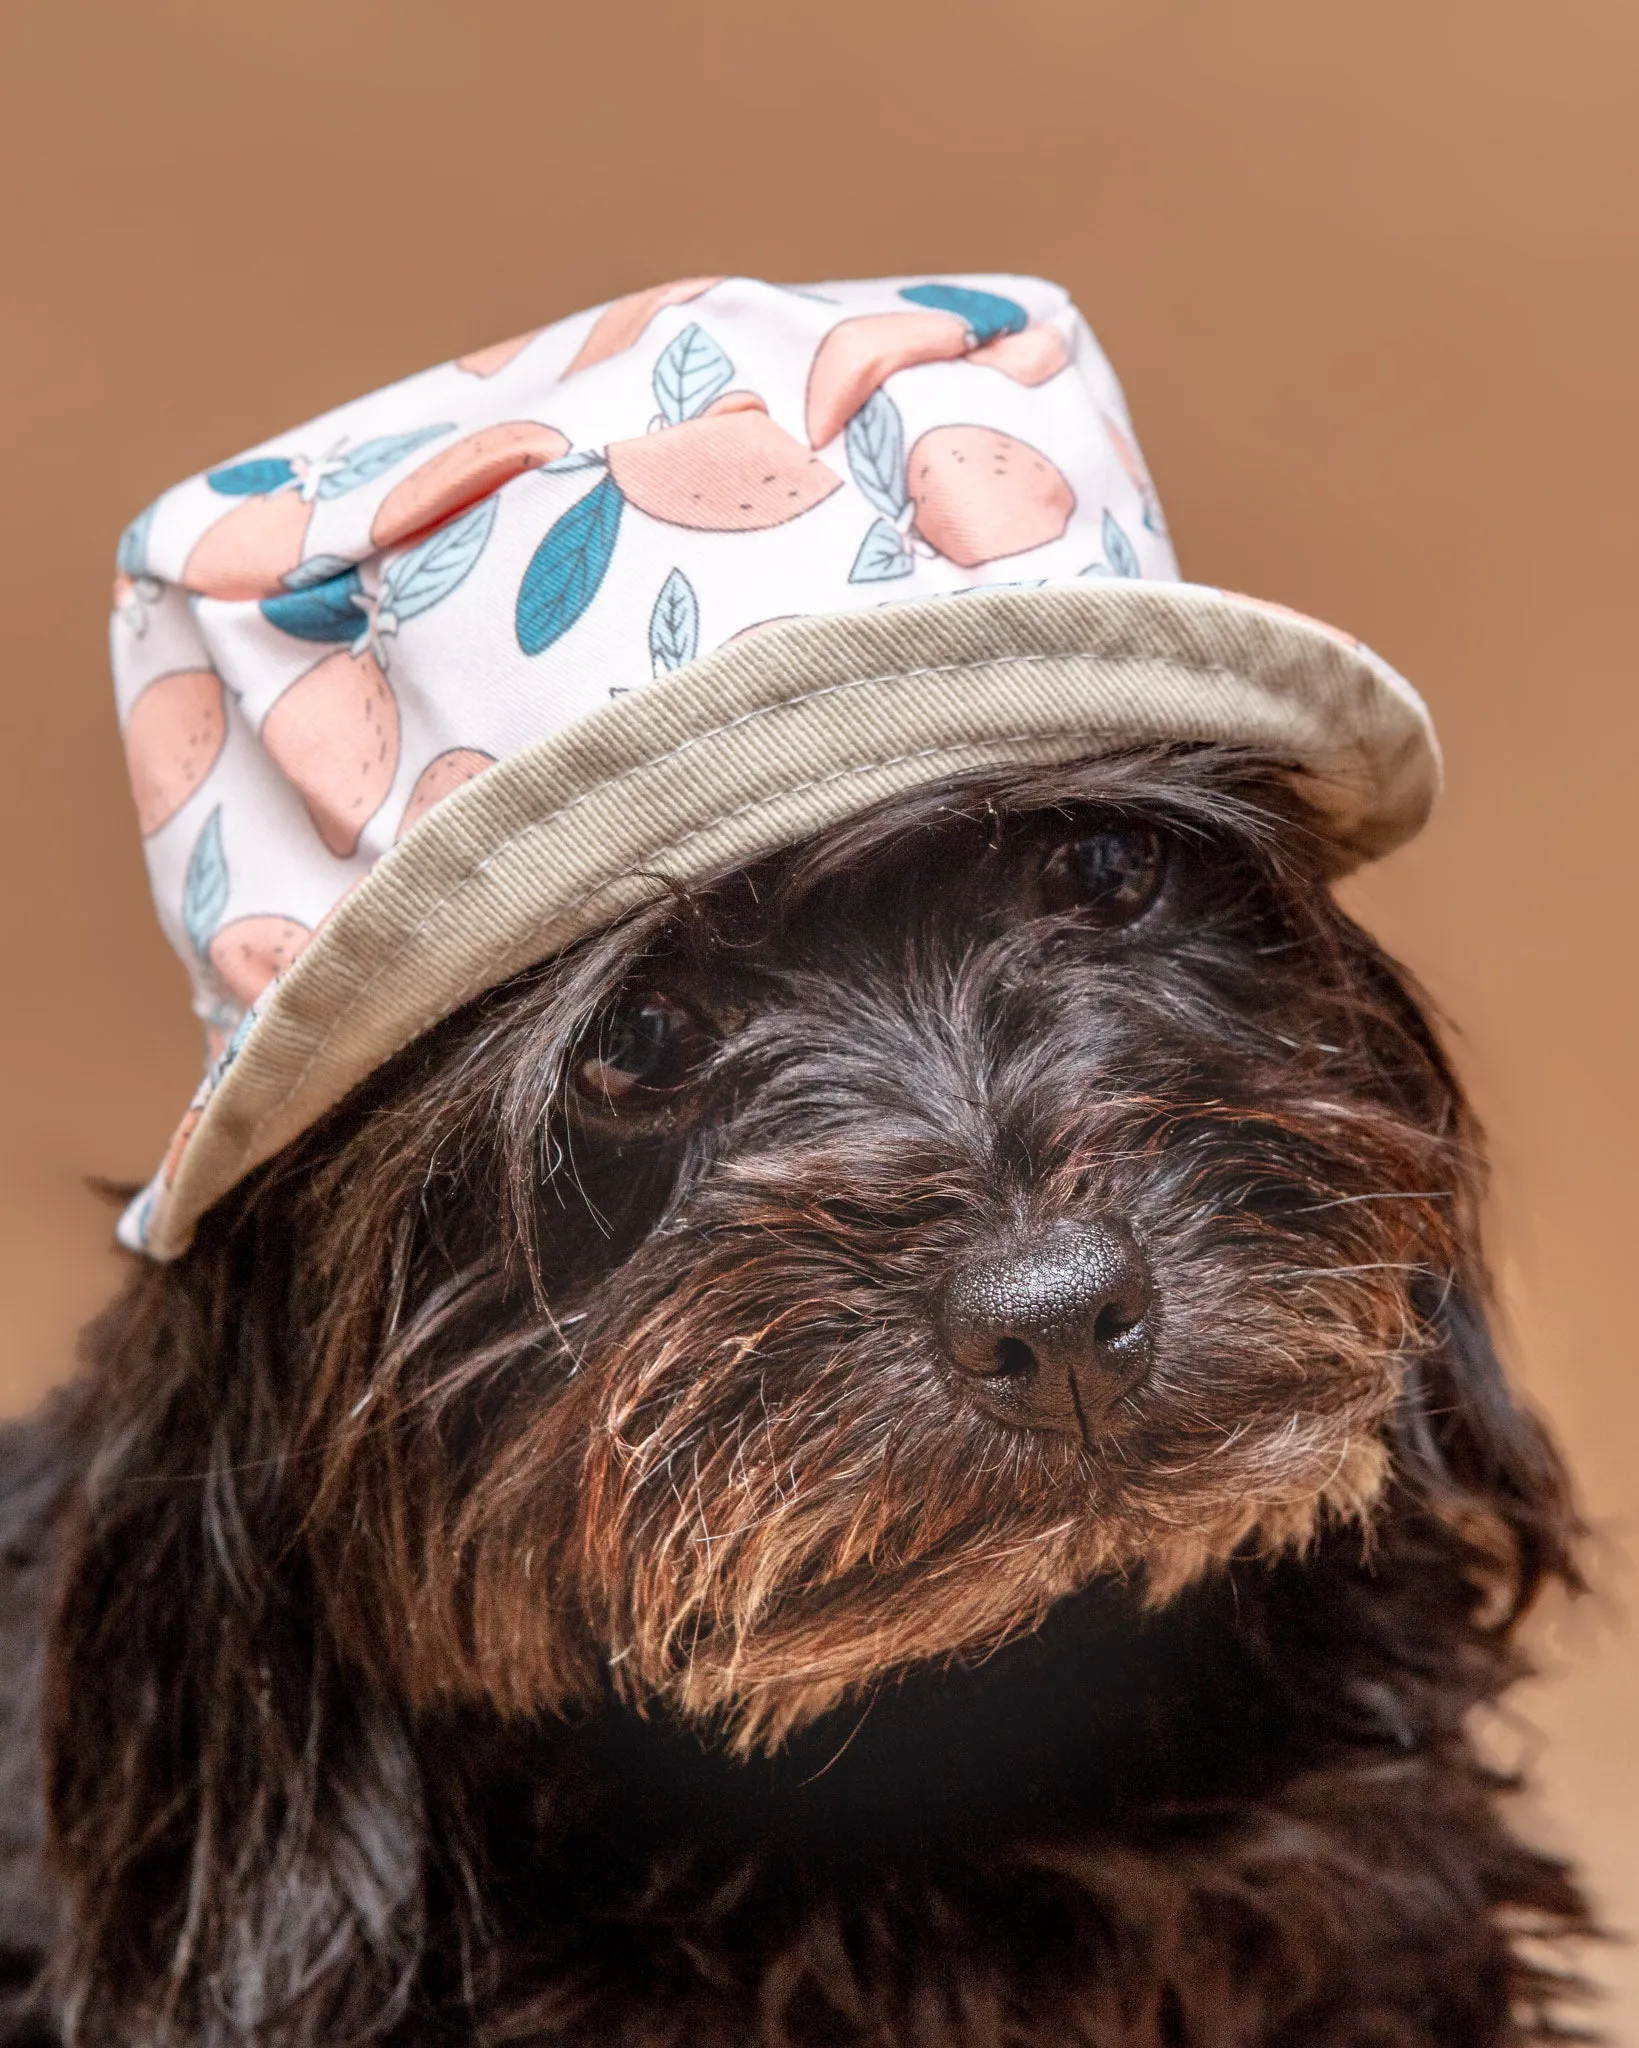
(1048, 1330)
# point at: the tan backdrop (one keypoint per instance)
(1369, 272)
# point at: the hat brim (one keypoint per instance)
(761, 744)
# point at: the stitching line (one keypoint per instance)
(1005, 739)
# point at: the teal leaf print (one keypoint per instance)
(425, 576)
(987, 313)
(691, 372)
(567, 570)
(131, 557)
(875, 442)
(1119, 552)
(324, 611)
(370, 459)
(883, 555)
(205, 890)
(236, 1044)
(316, 569)
(251, 479)
(674, 624)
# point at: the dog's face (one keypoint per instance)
(1036, 1178)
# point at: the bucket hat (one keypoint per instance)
(422, 692)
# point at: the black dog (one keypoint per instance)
(901, 1450)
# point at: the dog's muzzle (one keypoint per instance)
(1048, 1330)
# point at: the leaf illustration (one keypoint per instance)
(370, 459)
(882, 556)
(674, 624)
(316, 569)
(205, 891)
(132, 554)
(577, 458)
(425, 576)
(987, 313)
(323, 611)
(875, 442)
(567, 569)
(692, 370)
(1119, 552)
(236, 1043)
(250, 479)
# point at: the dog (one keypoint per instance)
(900, 1447)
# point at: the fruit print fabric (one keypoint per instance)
(858, 357)
(457, 477)
(979, 495)
(712, 460)
(316, 643)
(734, 472)
(618, 325)
(334, 732)
(176, 730)
(250, 550)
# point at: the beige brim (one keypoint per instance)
(768, 740)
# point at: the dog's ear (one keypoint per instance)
(236, 1818)
(1475, 1456)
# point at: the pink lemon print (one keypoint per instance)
(980, 494)
(251, 951)
(458, 476)
(444, 773)
(334, 733)
(620, 323)
(858, 357)
(1031, 356)
(734, 401)
(731, 472)
(250, 550)
(172, 739)
(486, 362)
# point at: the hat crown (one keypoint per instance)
(317, 641)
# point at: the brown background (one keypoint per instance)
(1369, 272)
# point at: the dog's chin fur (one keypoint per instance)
(798, 1567)
(492, 1397)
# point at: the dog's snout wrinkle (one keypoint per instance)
(1049, 1329)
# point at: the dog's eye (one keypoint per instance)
(1111, 877)
(646, 1051)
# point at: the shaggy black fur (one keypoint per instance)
(533, 1572)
